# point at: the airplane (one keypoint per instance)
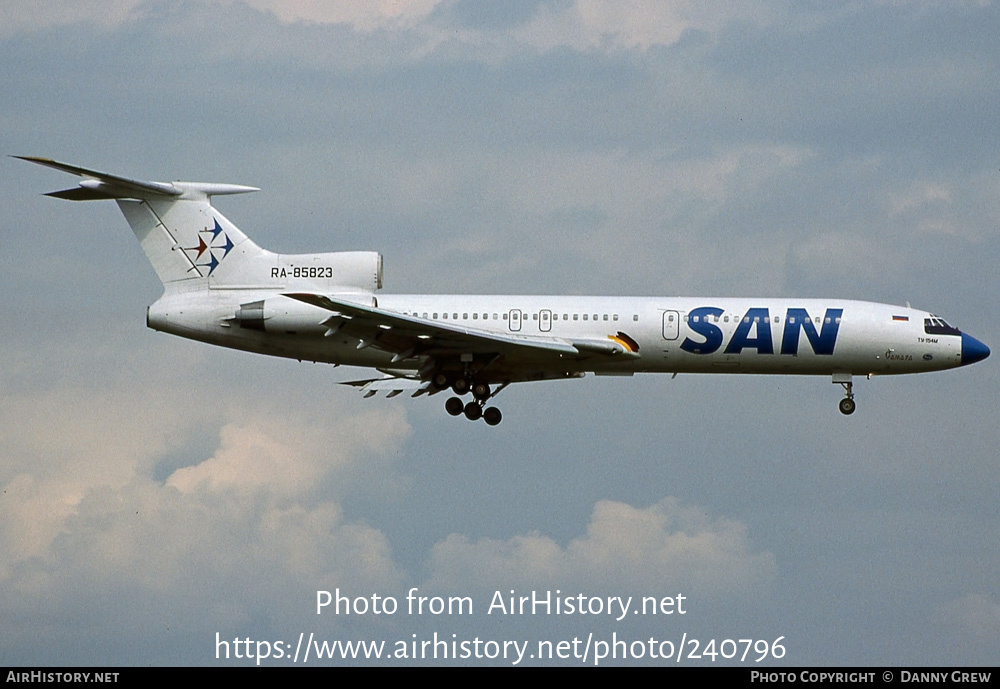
(223, 289)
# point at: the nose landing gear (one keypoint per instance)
(847, 405)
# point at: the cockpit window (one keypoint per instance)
(938, 326)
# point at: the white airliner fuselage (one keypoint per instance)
(671, 334)
(221, 288)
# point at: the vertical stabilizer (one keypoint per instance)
(184, 239)
(182, 235)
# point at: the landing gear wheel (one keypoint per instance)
(492, 416)
(441, 381)
(481, 391)
(454, 406)
(473, 412)
(847, 406)
(460, 386)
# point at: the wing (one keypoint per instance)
(493, 356)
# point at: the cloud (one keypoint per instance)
(285, 458)
(624, 548)
(965, 629)
(592, 215)
(133, 563)
(19, 15)
(928, 208)
(363, 15)
(975, 615)
(96, 541)
(71, 436)
(584, 25)
(111, 440)
(589, 25)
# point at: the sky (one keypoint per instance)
(160, 495)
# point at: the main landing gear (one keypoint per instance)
(473, 410)
(847, 405)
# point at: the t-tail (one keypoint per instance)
(191, 245)
(182, 235)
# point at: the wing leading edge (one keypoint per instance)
(444, 344)
(398, 333)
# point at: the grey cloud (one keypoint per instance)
(664, 546)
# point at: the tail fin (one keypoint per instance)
(182, 235)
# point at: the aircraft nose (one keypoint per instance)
(973, 350)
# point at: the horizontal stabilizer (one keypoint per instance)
(112, 186)
(102, 185)
(81, 194)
